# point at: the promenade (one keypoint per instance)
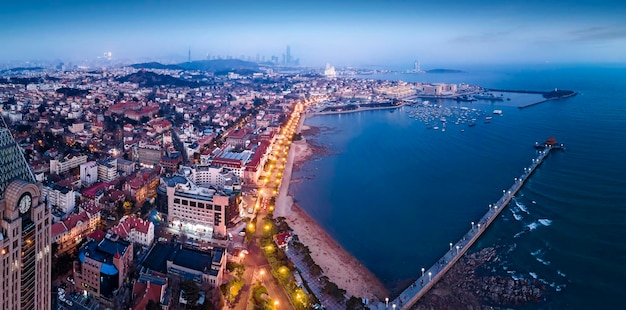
(430, 276)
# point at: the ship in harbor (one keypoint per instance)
(488, 96)
(465, 98)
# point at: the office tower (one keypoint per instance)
(24, 233)
(189, 55)
(288, 55)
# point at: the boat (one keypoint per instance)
(488, 96)
(436, 128)
(499, 112)
(488, 117)
(462, 130)
(465, 98)
(443, 130)
(472, 124)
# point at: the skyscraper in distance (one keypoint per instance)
(288, 55)
(24, 233)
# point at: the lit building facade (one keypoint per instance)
(25, 222)
(200, 210)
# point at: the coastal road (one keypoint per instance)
(258, 269)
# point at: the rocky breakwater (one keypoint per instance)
(473, 283)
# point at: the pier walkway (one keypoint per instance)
(431, 275)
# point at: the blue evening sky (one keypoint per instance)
(319, 31)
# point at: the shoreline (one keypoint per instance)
(338, 264)
(359, 109)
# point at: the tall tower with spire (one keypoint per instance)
(189, 55)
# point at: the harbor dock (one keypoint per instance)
(430, 276)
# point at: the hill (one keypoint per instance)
(155, 65)
(150, 79)
(218, 65)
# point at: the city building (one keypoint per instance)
(149, 154)
(70, 232)
(63, 165)
(88, 173)
(60, 197)
(201, 266)
(134, 230)
(151, 286)
(107, 169)
(24, 233)
(201, 211)
(102, 266)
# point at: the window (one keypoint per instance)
(218, 208)
(201, 205)
(185, 202)
(192, 203)
(176, 200)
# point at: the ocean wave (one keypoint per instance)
(532, 226)
(527, 228)
(532, 274)
(522, 207)
(535, 253)
(516, 277)
(517, 217)
(545, 222)
(543, 261)
(562, 274)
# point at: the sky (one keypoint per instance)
(342, 33)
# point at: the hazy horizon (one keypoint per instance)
(338, 32)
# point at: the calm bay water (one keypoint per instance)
(394, 193)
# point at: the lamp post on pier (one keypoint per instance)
(422, 272)
(430, 276)
(386, 302)
(450, 246)
(472, 225)
(457, 250)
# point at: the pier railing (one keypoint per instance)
(429, 277)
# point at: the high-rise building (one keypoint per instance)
(24, 233)
(288, 55)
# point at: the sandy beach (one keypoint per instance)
(338, 265)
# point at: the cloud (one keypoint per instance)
(593, 34)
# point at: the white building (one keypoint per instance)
(88, 173)
(107, 169)
(60, 166)
(60, 196)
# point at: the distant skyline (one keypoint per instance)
(343, 33)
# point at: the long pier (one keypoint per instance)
(432, 275)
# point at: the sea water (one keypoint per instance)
(395, 194)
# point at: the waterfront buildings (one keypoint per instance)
(24, 233)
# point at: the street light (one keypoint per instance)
(450, 246)
(422, 272)
(393, 306)
(457, 249)
(430, 276)
(478, 226)
(386, 302)
(472, 225)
